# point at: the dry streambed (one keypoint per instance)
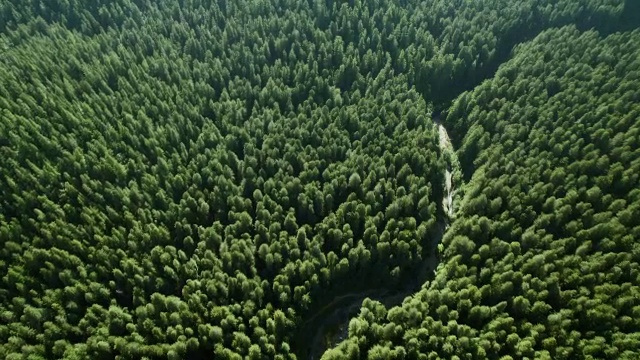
(330, 324)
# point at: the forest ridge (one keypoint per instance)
(196, 179)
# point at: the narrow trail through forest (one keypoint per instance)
(446, 146)
(330, 324)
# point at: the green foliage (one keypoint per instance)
(193, 179)
(540, 262)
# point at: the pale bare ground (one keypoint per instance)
(353, 300)
(445, 144)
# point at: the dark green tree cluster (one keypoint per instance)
(543, 260)
(147, 213)
(443, 46)
(189, 179)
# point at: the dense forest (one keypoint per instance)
(199, 179)
(543, 259)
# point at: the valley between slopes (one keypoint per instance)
(330, 324)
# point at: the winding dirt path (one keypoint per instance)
(449, 191)
(333, 319)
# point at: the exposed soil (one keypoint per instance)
(330, 324)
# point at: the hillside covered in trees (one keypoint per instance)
(543, 259)
(198, 179)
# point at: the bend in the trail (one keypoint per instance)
(332, 320)
(449, 189)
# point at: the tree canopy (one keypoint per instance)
(197, 179)
(542, 260)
